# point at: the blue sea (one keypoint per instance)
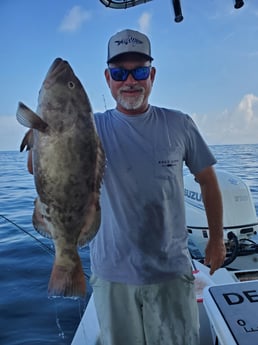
(27, 315)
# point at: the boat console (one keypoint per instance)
(233, 313)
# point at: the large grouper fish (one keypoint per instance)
(68, 165)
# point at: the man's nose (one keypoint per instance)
(130, 79)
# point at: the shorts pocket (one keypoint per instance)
(188, 278)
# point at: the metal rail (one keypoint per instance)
(123, 4)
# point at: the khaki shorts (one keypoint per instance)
(156, 314)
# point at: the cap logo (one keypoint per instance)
(130, 40)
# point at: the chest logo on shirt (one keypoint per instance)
(168, 162)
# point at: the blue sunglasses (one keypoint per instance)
(121, 74)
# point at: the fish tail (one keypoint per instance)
(67, 282)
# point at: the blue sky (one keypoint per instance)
(207, 65)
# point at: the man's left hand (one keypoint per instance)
(215, 254)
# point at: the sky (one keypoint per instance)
(207, 65)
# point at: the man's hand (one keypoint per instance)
(215, 254)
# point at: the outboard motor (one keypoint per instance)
(239, 215)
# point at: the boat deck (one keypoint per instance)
(88, 330)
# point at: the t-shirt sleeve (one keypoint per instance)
(198, 155)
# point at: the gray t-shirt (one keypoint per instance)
(143, 238)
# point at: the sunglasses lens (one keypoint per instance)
(141, 73)
(121, 74)
(118, 74)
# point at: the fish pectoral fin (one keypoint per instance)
(26, 117)
(39, 221)
(91, 224)
(27, 141)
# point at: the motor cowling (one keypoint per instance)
(239, 215)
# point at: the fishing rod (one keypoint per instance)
(48, 249)
(44, 246)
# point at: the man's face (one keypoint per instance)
(131, 95)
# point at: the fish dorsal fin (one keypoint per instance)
(28, 118)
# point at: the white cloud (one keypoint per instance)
(253, 54)
(236, 126)
(74, 19)
(144, 22)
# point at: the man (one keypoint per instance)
(142, 277)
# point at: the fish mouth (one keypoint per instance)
(58, 67)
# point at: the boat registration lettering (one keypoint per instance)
(237, 298)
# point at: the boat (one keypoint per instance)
(227, 300)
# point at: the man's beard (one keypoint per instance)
(130, 103)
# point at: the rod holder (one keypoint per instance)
(178, 11)
(239, 4)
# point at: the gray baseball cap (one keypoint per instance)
(128, 41)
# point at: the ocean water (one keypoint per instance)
(27, 315)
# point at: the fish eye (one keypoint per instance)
(71, 85)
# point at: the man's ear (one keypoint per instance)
(153, 73)
(107, 76)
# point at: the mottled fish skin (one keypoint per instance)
(68, 165)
